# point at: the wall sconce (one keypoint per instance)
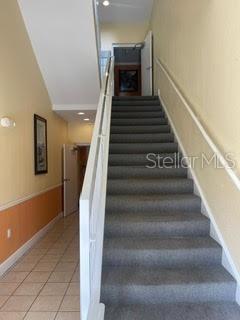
(7, 122)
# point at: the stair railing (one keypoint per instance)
(92, 205)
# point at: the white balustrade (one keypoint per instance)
(92, 205)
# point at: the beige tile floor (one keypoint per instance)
(44, 283)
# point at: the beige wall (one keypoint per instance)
(198, 42)
(22, 93)
(122, 33)
(80, 133)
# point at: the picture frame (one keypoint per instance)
(40, 145)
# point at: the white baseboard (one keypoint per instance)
(7, 264)
(215, 232)
(96, 312)
(238, 295)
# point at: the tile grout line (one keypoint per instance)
(70, 244)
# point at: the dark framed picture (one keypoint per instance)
(40, 145)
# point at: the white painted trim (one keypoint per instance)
(233, 175)
(7, 264)
(127, 45)
(74, 107)
(227, 260)
(96, 311)
(21, 200)
(238, 295)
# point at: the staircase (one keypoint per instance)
(159, 262)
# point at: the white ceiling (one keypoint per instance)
(72, 115)
(66, 55)
(126, 11)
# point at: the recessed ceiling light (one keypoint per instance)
(81, 113)
(106, 3)
(86, 119)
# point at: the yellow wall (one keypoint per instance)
(198, 42)
(80, 132)
(22, 93)
(122, 33)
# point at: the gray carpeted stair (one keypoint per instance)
(138, 121)
(151, 285)
(164, 253)
(149, 186)
(143, 148)
(162, 225)
(159, 262)
(176, 311)
(123, 172)
(136, 108)
(138, 137)
(137, 114)
(140, 129)
(131, 103)
(136, 159)
(134, 98)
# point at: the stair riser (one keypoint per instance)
(149, 187)
(137, 115)
(142, 148)
(179, 205)
(140, 129)
(155, 229)
(142, 160)
(195, 293)
(181, 311)
(141, 138)
(136, 109)
(134, 172)
(136, 98)
(162, 258)
(136, 103)
(139, 122)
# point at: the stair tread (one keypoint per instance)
(143, 145)
(153, 197)
(136, 103)
(175, 311)
(153, 224)
(149, 180)
(137, 114)
(138, 121)
(143, 108)
(149, 186)
(140, 128)
(129, 172)
(154, 243)
(153, 202)
(135, 98)
(141, 137)
(156, 217)
(140, 159)
(137, 275)
(142, 148)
